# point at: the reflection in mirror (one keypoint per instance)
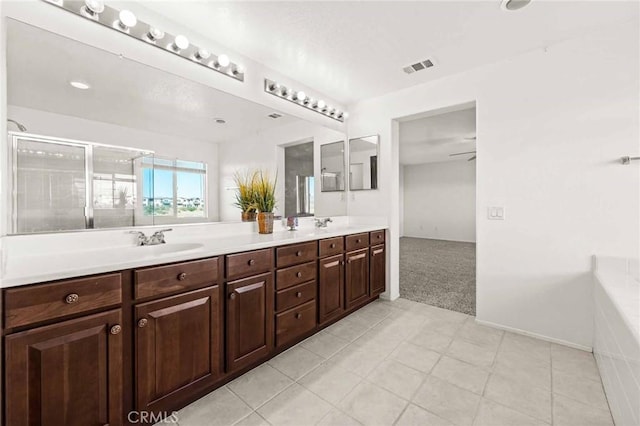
(299, 188)
(363, 163)
(199, 137)
(332, 166)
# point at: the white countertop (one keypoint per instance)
(29, 269)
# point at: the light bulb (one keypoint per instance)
(321, 104)
(80, 84)
(126, 20)
(92, 8)
(284, 91)
(223, 61)
(300, 96)
(345, 115)
(202, 54)
(273, 86)
(239, 69)
(155, 34)
(180, 43)
(332, 111)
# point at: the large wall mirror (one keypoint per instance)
(101, 141)
(363, 163)
(332, 166)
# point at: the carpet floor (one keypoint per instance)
(439, 273)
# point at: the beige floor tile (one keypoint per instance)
(402, 326)
(253, 419)
(358, 359)
(493, 414)
(443, 326)
(379, 340)
(461, 374)
(220, 407)
(324, 344)
(295, 406)
(346, 329)
(480, 335)
(580, 389)
(434, 312)
(415, 357)
(535, 349)
(372, 405)
(336, 417)
(259, 385)
(567, 412)
(575, 361)
(397, 378)
(416, 416)
(429, 339)
(447, 401)
(524, 368)
(472, 353)
(520, 396)
(296, 362)
(367, 317)
(330, 382)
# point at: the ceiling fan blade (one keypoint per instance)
(472, 158)
(462, 153)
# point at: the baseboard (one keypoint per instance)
(537, 336)
(437, 239)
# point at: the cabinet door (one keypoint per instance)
(249, 320)
(178, 347)
(68, 373)
(357, 277)
(378, 275)
(331, 288)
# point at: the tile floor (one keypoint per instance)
(406, 363)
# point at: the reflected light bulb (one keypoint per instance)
(126, 19)
(223, 61)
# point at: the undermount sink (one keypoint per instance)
(168, 248)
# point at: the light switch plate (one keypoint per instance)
(495, 213)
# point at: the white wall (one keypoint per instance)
(440, 200)
(551, 126)
(265, 150)
(68, 127)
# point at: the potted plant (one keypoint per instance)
(245, 194)
(265, 201)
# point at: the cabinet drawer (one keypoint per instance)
(296, 254)
(158, 280)
(295, 275)
(331, 246)
(43, 302)
(249, 263)
(295, 322)
(377, 237)
(357, 241)
(295, 296)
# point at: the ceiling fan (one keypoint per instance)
(463, 153)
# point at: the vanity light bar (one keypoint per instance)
(125, 22)
(301, 98)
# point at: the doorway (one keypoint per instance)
(438, 208)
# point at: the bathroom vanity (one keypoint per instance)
(93, 349)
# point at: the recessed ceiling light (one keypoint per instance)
(220, 120)
(80, 85)
(511, 5)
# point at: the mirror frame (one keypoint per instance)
(377, 137)
(344, 167)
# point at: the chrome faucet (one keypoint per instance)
(155, 239)
(322, 223)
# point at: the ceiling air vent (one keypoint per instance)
(418, 66)
(275, 115)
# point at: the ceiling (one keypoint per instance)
(432, 139)
(123, 92)
(352, 50)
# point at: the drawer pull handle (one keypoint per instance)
(142, 322)
(251, 262)
(71, 298)
(298, 253)
(298, 315)
(332, 245)
(116, 329)
(298, 274)
(182, 276)
(299, 295)
(379, 236)
(232, 296)
(358, 241)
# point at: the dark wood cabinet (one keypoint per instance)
(249, 320)
(357, 278)
(330, 288)
(378, 273)
(178, 345)
(69, 373)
